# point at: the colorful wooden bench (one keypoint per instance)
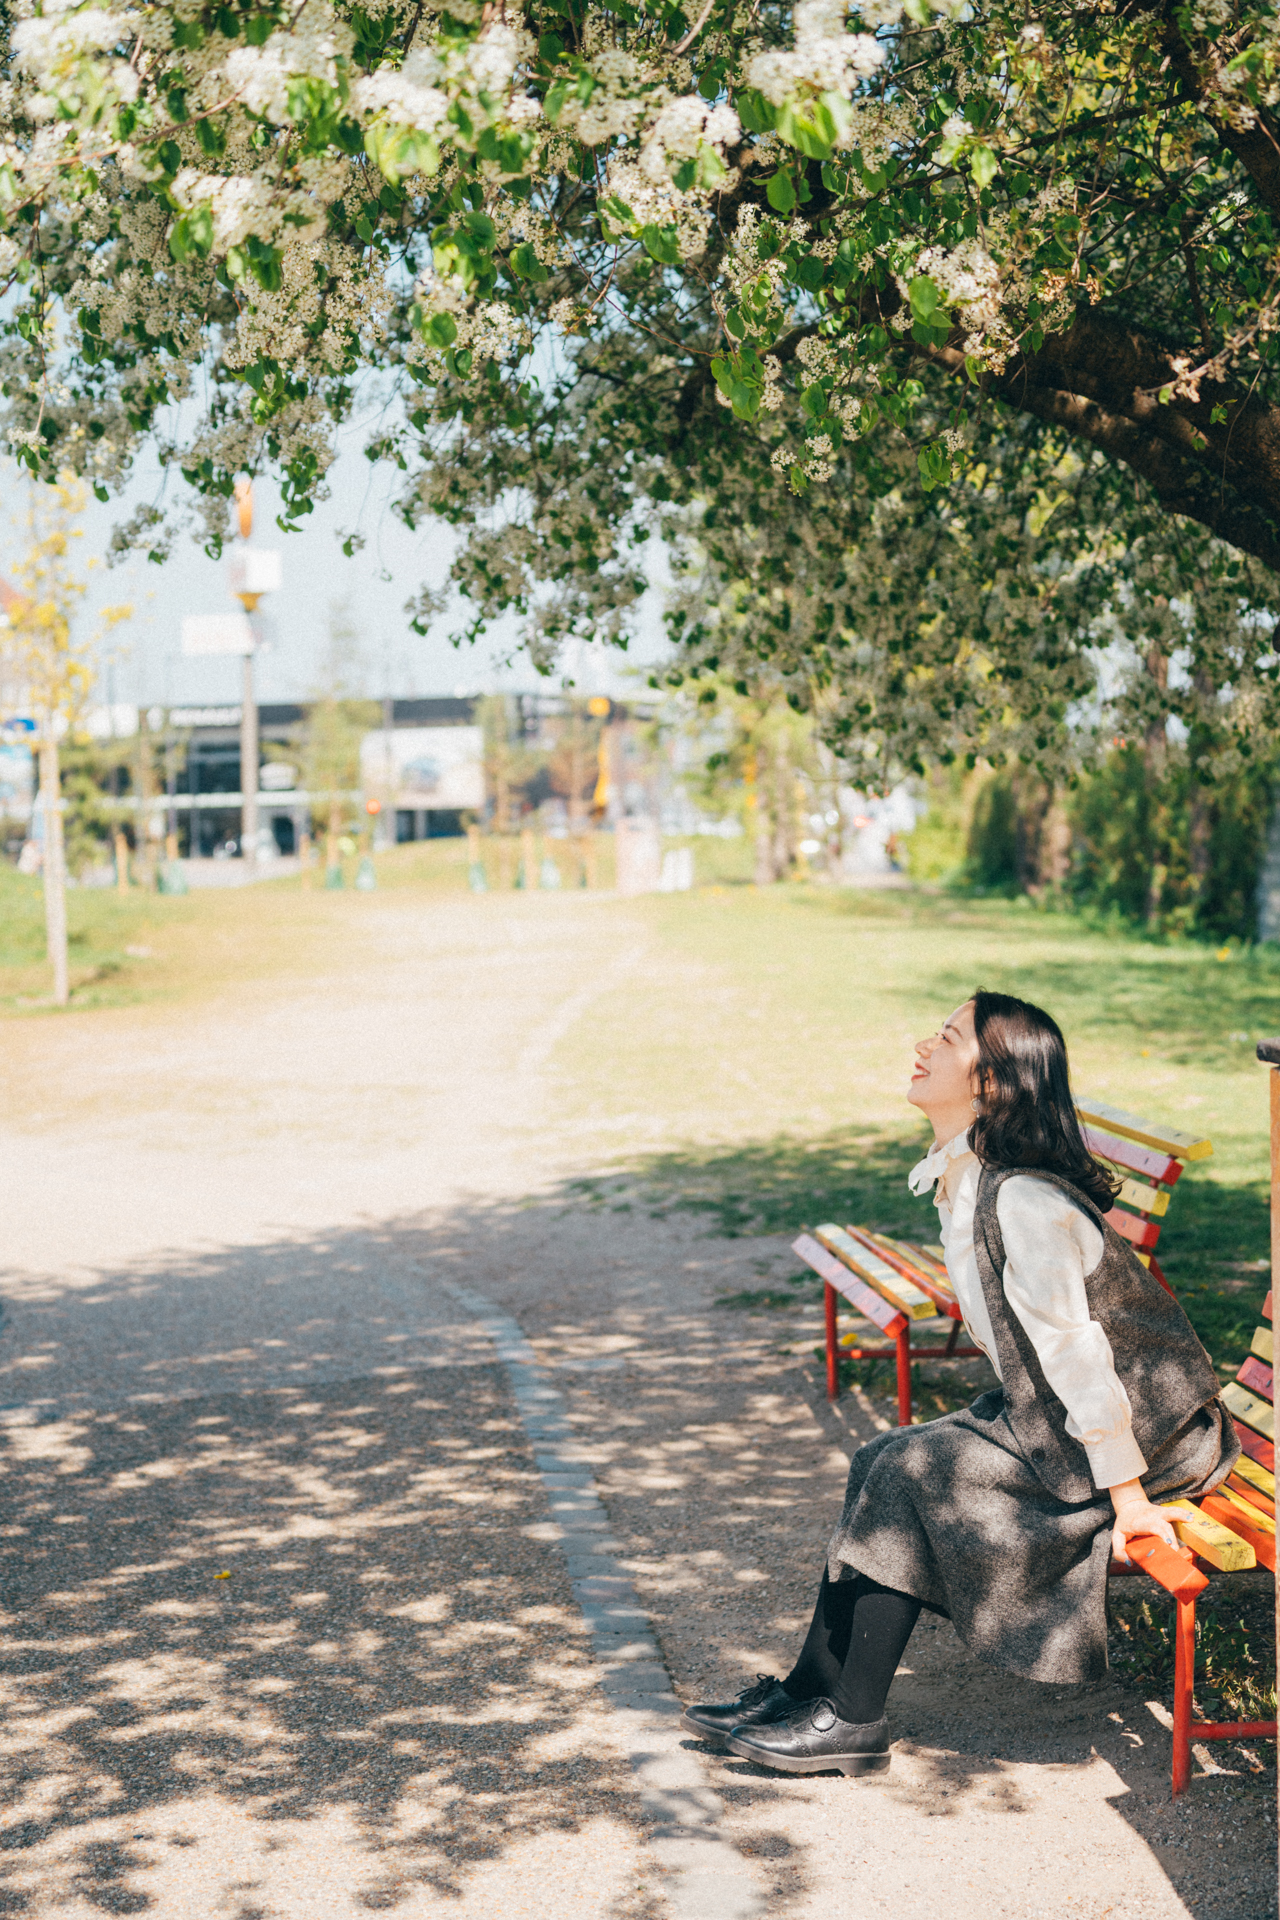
(1233, 1529)
(894, 1282)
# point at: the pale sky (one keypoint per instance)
(149, 667)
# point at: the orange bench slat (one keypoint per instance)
(1228, 1515)
(1254, 1495)
(900, 1256)
(1266, 1306)
(1173, 1568)
(1140, 1233)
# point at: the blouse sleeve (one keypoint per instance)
(1050, 1245)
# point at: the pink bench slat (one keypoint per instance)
(1128, 1154)
(859, 1295)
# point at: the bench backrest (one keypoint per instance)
(1149, 1159)
(911, 1279)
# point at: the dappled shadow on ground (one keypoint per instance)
(1214, 1232)
(723, 1467)
(260, 1643)
(390, 1695)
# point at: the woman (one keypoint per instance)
(1002, 1517)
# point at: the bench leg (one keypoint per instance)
(833, 1346)
(904, 1376)
(1184, 1675)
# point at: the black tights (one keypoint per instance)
(856, 1638)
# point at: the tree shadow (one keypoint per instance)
(333, 1608)
(313, 1628)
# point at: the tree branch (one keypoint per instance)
(1256, 147)
(1100, 381)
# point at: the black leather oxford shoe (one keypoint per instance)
(813, 1739)
(765, 1700)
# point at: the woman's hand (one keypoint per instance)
(1136, 1516)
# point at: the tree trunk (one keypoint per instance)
(332, 851)
(759, 822)
(1269, 880)
(144, 844)
(783, 814)
(54, 868)
(1155, 751)
(1034, 798)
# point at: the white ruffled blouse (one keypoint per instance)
(1050, 1245)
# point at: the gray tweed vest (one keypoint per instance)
(1164, 1369)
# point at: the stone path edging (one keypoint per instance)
(704, 1877)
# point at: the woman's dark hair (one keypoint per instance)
(1026, 1116)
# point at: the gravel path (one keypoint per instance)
(302, 1615)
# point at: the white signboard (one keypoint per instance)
(425, 766)
(217, 633)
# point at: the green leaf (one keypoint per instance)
(661, 244)
(440, 330)
(192, 233)
(924, 297)
(984, 166)
(525, 263)
(754, 111)
(780, 191)
(709, 168)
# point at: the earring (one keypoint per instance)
(974, 1104)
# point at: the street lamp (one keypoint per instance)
(254, 571)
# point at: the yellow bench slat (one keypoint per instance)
(1214, 1543)
(1181, 1146)
(1256, 1476)
(877, 1273)
(1254, 1515)
(1143, 1198)
(1264, 1345)
(1248, 1407)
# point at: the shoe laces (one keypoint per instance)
(752, 1695)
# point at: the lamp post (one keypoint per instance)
(254, 571)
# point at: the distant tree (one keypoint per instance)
(56, 670)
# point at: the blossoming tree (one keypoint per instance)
(55, 670)
(788, 247)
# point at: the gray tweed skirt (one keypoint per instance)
(951, 1513)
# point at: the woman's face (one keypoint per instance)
(945, 1078)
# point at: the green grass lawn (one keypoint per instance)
(758, 1067)
(796, 1031)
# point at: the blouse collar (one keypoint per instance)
(935, 1163)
